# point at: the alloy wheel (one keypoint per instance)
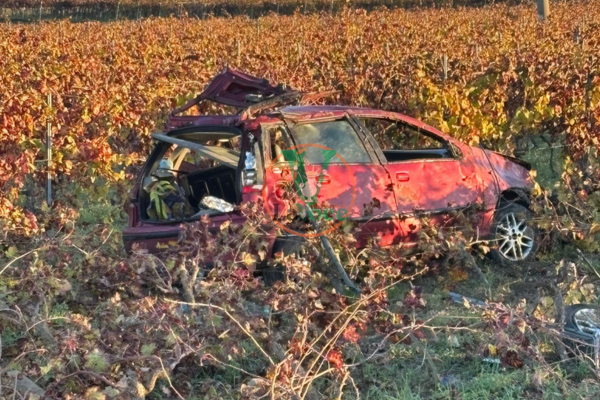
(515, 237)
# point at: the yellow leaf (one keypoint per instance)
(493, 350)
(225, 225)
(248, 259)
(466, 303)
(458, 274)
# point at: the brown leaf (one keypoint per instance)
(350, 334)
(512, 359)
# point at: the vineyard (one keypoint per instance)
(83, 320)
(110, 10)
(106, 10)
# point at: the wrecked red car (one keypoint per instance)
(384, 171)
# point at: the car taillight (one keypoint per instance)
(252, 189)
(249, 177)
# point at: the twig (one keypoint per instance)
(90, 373)
(169, 379)
(432, 368)
(580, 253)
(341, 390)
(230, 317)
(18, 258)
(232, 366)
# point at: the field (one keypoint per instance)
(111, 10)
(83, 320)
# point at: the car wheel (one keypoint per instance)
(290, 245)
(515, 236)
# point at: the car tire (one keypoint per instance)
(514, 236)
(288, 245)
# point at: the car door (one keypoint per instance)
(429, 176)
(352, 180)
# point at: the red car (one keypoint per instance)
(383, 170)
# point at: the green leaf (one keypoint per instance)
(110, 392)
(97, 362)
(148, 349)
(11, 252)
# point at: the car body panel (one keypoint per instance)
(154, 237)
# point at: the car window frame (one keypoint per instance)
(447, 145)
(373, 158)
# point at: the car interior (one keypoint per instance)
(204, 169)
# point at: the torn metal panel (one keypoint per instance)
(508, 173)
(220, 154)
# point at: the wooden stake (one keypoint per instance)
(445, 66)
(543, 9)
(49, 157)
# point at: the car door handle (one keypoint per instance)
(402, 176)
(325, 180)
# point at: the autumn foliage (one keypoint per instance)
(112, 84)
(92, 322)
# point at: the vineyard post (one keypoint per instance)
(49, 156)
(543, 8)
(41, 4)
(331, 8)
(445, 66)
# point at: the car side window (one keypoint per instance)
(336, 135)
(396, 135)
(403, 142)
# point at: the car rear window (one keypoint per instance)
(336, 135)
